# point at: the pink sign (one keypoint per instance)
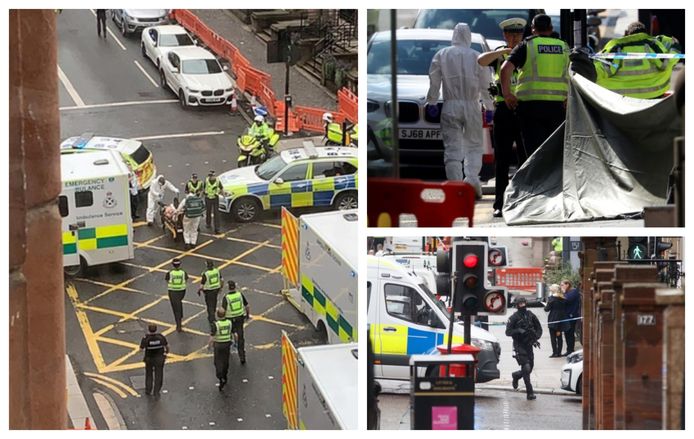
(444, 418)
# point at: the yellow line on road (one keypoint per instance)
(129, 316)
(248, 241)
(275, 226)
(114, 381)
(117, 342)
(257, 267)
(276, 322)
(110, 386)
(86, 328)
(172, 250)
(149, 241)
(242, 255)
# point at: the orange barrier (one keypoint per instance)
(259, 83)
(517, 278)
(433, 204)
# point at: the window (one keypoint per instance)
(153, 35)
(62, 206)
(407, 304)
(348, 168)
(324, 169)
(201, 67)
(84, 199)
(140, 155)
(173, 59)
(175, 40)
(295, 173)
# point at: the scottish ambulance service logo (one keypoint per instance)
(109, 201)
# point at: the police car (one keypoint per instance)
(135, 154)
(297, 177)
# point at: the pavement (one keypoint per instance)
(303, 90)
(108, 88)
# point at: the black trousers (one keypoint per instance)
(212, 207)
(176, 299)
(538, 121)
(526, 360)
(154, 371)
(237, 327)
(101, 23)
(507, 130)
(211, 302)
(570, 335)
(222, 351)
(556, 337)
(133, 205)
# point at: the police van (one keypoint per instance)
(405, 318)
(95, 208)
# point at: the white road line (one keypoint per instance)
(120, 104)
(174, 136)
(70, 89)
(145, 73)
(109, 31)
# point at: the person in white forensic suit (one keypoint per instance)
(156, 195)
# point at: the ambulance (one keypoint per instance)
(95, 208)
(136, 156)
(405, 318)
(325, 283)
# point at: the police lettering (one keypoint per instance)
(550, 49)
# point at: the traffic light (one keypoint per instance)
(638, 248)
(472, 296)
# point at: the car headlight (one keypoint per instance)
(229, 89)
(371, 106)
(482, 344)
(127, 17)
(227, 194)
(575, 357)
(190, 90)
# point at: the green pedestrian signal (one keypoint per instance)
(638, 251)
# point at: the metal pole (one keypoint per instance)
(394, 91)
(467, 328)
(451, 322)
(286, 90)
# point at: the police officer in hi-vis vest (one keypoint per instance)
(237, 311)
(221, 337)
(210, 284)
(213, 188)
(177, 280)
(539, 98)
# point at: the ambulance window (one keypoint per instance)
(62, 206)
(84, 199)
(295, 173)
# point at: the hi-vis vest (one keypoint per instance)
(235, 306)
(194, 207)
(212, 280)
(497, 78)
(193, 188)
(636, 78)
(212, 190)
(544, 76)
(177, 280)
(223, 332)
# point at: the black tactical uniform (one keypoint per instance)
(156, 347)
(526, 330)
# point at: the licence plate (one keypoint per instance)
(213, 100)
(423, 134)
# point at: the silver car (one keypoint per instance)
(134, 20)
(420, 142)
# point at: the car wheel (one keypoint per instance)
(245, 209)
(144, 52)
(123, 27)
(579, 385)
(162, 78)
(346, 200)
(182, 98)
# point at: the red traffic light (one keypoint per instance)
(470, 281)
(470, 260)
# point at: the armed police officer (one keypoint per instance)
(156, 347)
(526, 330)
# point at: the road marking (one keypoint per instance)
(70, 89)
(145, 73)
(275, 226)
(506, 415)
(110, 386)
(120, 104)
(175, 136)
(149, 241)
(110, 32)
(276, 322)
(115, 382)
(86, 327)
(112, 419)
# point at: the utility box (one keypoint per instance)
(442, 402)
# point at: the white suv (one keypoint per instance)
(157, 41)
(195, 76)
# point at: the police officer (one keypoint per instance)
(221, 336)
(194, 185)
(156, 347)
(177, 279)
(637, 78)
(543, 83)
(506, 123)
(101, 22)
(238, 311)
(526, 330)
(210, 284)
(192, 208)
(213, 188)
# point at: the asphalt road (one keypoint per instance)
(103, 90)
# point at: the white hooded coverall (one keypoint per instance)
(465, 82)
(156, 194)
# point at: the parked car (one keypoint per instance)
(572, 372)
(157, 41)
(421, 144)
(196, 77)
(134, 20)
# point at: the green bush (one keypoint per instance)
(557, 274)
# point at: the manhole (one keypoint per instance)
(130, 326)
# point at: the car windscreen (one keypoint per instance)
(414, 56)
(200, 67)
(270, 168)
(439, 304)
(481, 21)
(140, 155)
(175, 40)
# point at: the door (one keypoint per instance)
(150, 42)
(171, 70)
(66, 207)
(291, 188)
(372, 323)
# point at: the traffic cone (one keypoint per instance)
(234, 105)
(87, 424)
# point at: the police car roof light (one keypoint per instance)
(310, 149)
(82, 140)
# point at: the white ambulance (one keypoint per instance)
(95, 207)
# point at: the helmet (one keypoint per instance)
(259, 118)
(522, 300)
(328, 117)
